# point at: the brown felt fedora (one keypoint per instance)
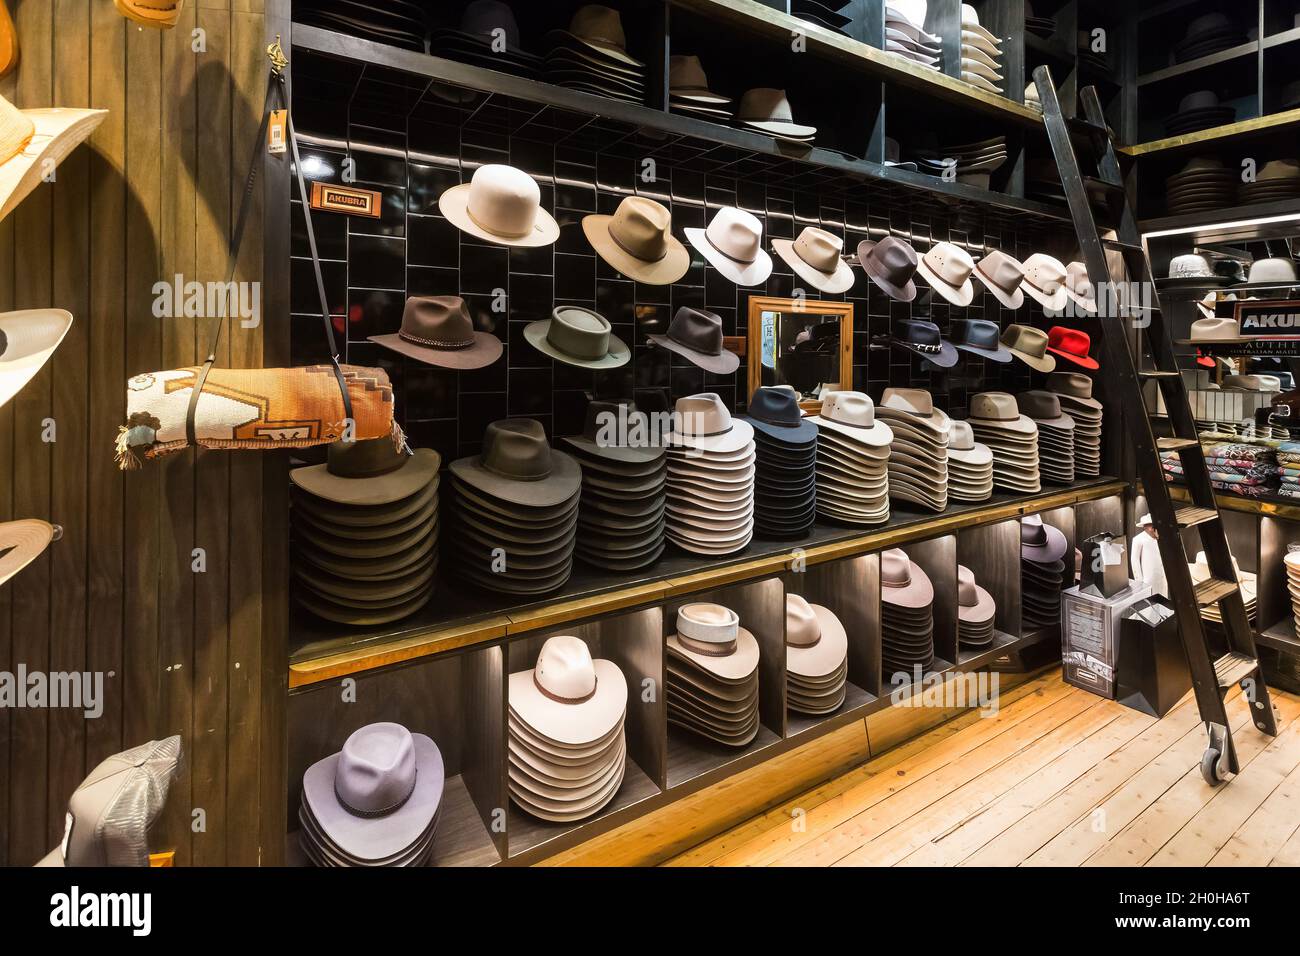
(638, 241)
(371, 472)
(438, 330)
(518, 465)
(891, 264)
(696, 334)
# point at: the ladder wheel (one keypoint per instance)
(1210, 767)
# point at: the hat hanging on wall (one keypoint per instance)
(923, 339)
(27, 340)
(891, 264)
(1002, 274)
(768, 111)
(22, 542)
(33, 142)
(1073, 345)
(159, 14)
(947, 268)
(8, 41)
(816, 257)
(1044, 281)
(733, 244)
(696, 335)
(577, 336)
(979, 337)
(638, 241)
(816, 657)
(502, 205)
(1030, 346)
(712, 664)
(438, 330)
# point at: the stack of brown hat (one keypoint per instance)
(592, 56)
(710, 508)
(816, 658)
(1012, 437)
(785, 443)
(689, 93)
(567, 748)
(713, 675)
(907, 615)
(852, 460)
(621, 514)
(1074, 391)
(970, 465)
(365, 532)
(1043, 573)
(1055, 435)
(918, 455)
(975, 612)
(515, 514)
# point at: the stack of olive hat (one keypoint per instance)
(1074, 391)
(907, 615)
(713, 675)
(918, 455)
(710, 477)
(816, 658)
(621, 515)
(1043, 573)
(785, 480)
(515, 511)
(365, 532)
(1055, 435)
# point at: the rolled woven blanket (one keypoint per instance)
(258, 408)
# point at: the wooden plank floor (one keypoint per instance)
(1057, 777)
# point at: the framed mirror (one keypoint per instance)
(804, 343)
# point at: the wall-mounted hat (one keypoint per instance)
(567, 697)
(500, 204)
(902, 582)
(710, 636)
(733, 244)
(979, 337)
(1030, 346)
(518, 465)
(1002, 275)
(158, 14)
(890, 263)
(1072, 345)
(33, 143)
(922, 338)
(774, 411)
(438, 330)
(368, 473)
(768, 110)
(22, 542)
(598, 28)
(638, 241)
(1045, 281)
(816, 643)
(816, 256)
(696, 334)
(1079, 287)
(27, 340)
(1041, 542)
(577, 336)
(702, 422)
(947, 268)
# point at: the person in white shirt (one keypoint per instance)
(1145, 557)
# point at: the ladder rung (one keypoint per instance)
(1192, 515)
(1096, 183)
(1158, 374)
(1125, 246)
(1176, 444)
(1212, 590)
(1232, 668)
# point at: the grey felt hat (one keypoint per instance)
(578, 336)
(518, 465)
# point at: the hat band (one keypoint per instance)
(709, 633)
(493, 229)
(565, 700)
(434, 343)
(924, 346)
(723, 252)
(839, 421)
(513, 477)
(1007, 290)
(632, 252)
(896, 584)
(19, 146)
(813, 643)
(708, 648)
(371, 814)
(1039, 287)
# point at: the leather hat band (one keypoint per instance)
(371, 814)
(433, 343)
(564, 700)
(707, 648)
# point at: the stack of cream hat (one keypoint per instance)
(1012, 438)
(1246, 582)
(905, 33)
(767, 110)
(816, 658)
(970, 465)
(852, 460)
(907, 615)
(918, 455)
(567, 749)
(975, 612)
(1055, 435)
(365, 532)
(1042, 573)
(981, 53)
(1074, 392)
(592, 56)
(713, 675)
(1291, 561)
(711, 465)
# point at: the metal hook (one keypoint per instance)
(275, 53)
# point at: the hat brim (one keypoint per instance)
(413, 475)
(982, 610)
(1013, 300)
(741, 273)
(739, 436)
(1039, 363)
(778, 128)
(617, 355)
(21, 543)
(1086, 361)
(1020, 425)
(999, 354)
(1053, 549)
(1088, 305)
(484, 351)
(798, 434)
(31, 335)
(841, 280)
(724, 363)
(57, 133)
(609, 49)
(454, 203)
(946, 357)
(158, 19)
(570, 724)
(370, 838)
(902, 293)
(957, 295)
(624, 454)
(918, 592)
(735, 666)
(665, 271)
(556, 488)
(878, 435)
(1055, 301)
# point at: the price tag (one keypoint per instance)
(276, 135)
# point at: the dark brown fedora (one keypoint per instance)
(371, 472)
(519, 467)
(890, 263)
(438, 330)
(697, 335)
(608, 428)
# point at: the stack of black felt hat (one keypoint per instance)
(621, 514)
(397, 23)
(488, 36)
(515, 511)
(907, 615)
(785, 479)
(592, 56)
(365, 532)
(1044, 573)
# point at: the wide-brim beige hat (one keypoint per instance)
(827, 655)
(665, 271)
(454, 204)
(567, 723)
(57, 133)
(840, 280)
(960, 295)
(27, 340)
(21, 543)
(737, 665)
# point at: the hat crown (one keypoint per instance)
(919, 332)
(441, 321)
(16, 130)
(1071, 341)
(994, 406)
(503, 200)
(802, 628)
(1044, 273)
(914, 401)
(949, 262)
(594, 22)
(701, 415)
(981, 333)
(1038, 404)
(1032, 531)
(967, 596)
(1074, 384)
(482, 17)
(1002, 270)
(1201, 99)
(895, 258)
(1191, 265)
(849, 408)
(961, 437)
(913, 11)
(1272, 270)
(376, 769)
(819, 248)
(640, 228)
(1279, 169)
(565, 669)
(736, 234)
(775, 405)
(516, 448)
(1027, 339)
(697, 329)
(895, 568)
(368, 458)
(685, 72)
(1211, 330)
(1077, 281)
(763, 104)
(579, 332)
(711, 623)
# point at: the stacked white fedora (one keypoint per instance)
(1012, 437)
(905, 33)
(981, 53)
(1246, 580)
(567, 749)
(1055, 434)
(975, 612)
(970, 465)
(710, 477)
(816, 658)
(1074, 391)
(852, 460)
(713, 675)
(918, 455)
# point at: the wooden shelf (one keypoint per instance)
(1282, 38)
(1200, 63)
(1281, 636)
(1218, 136)
(1216, 226)
(1276, 508)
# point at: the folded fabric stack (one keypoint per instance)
(592, 56)
(1043, 573)
(975, 612)
(785, 481)
(478, 42)
(710, 477)
(621, 510)
(515, 518)
(1288, 465)
(970, 465)
(1011, 436)
(816, 658)
(1243, 469)
(1246, 582)
(365, 532)
(688, 91)
(1073, 391)
(853, 451)
(375, 803)
(981, 53)
(713, 675)
(907, 616)
(905, 33)
(1055, 435)
(567, 748)
(918, 455)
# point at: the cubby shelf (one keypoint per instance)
(1218, 136)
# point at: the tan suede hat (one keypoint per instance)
(638, 241)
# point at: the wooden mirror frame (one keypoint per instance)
(758, 304)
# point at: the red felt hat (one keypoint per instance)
(1071, 344)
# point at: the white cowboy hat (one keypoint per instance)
(33, 143)
(568, 697)
(27, 340)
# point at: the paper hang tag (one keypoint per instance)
(277, 140)
(1111, 554)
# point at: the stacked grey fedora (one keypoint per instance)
(365, 532)
(1074, 392)
(1043, 573)
(975, 612)
(918, 455)
(477, 41)
(1055, 435)
(515, 511)
(785, 478)
(907, 615)
(1011, 436)
(816, 658)
(905, 33)
(621, 512)
(592, 56)
(852, 460)
(375, 803)
(567, 747)
(713, 675)
(710, 508)
(970, 465)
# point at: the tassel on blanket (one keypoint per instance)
(127, 460)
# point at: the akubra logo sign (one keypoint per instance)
(1270, 320)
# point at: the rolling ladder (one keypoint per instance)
(1113, 261)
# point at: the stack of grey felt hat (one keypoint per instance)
(514, 518)
(1074, 391)
(1043, 573)
(918, 455)
(816, 658)
(907, 615)
(621, 513)
(375, 803)
(567, 746)
(365, 532)
(852, 460)
(712, 667)
(1055, 435)
(905, 34)
(970, 465)
(710, 508)
(592, 56)
(1011, 436)
(785, 481)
